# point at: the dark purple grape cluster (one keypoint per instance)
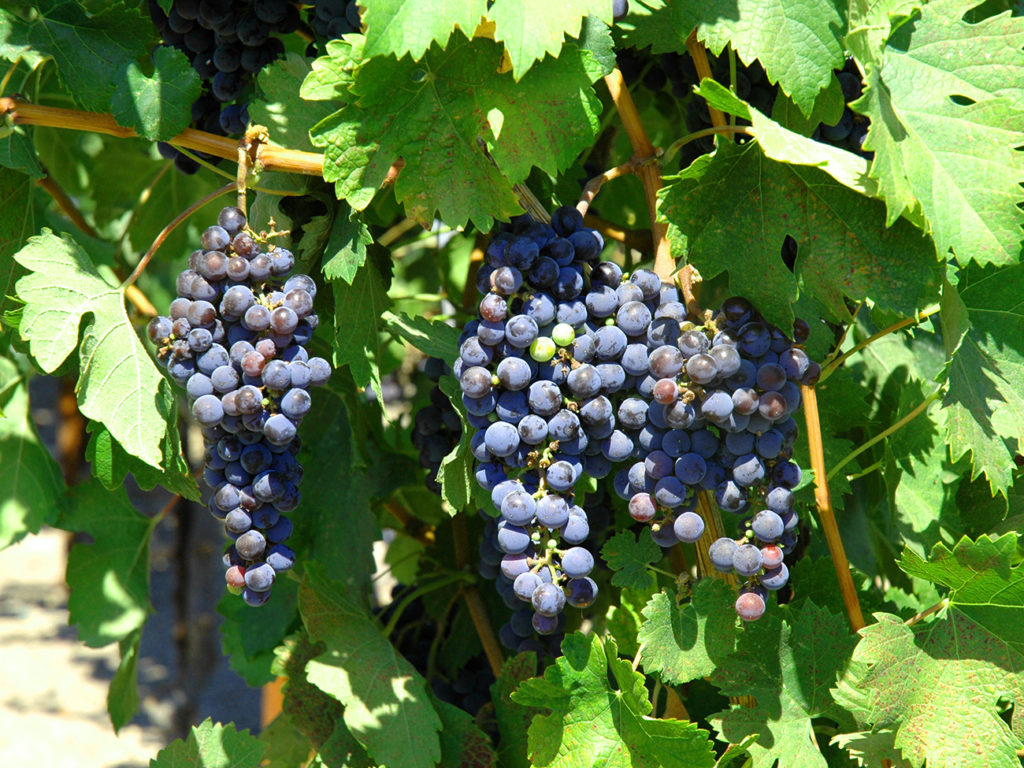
(228, 42)
(436, 428)
(235, 339)
(851, 129)
(716, 407)
(330, 19)
(542, 419)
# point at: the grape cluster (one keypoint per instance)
(436, 428)
(227, 42)
(330, 19)
(541, 419)
(715, 413)
(851, 129)
(235, 339)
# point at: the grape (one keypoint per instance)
(513, 539)
(582, 592)
(690, 468)
(633, 317)
(525, 585)
(519, 508)
(721, 554)
(501, 438)
(771, 556)
(260, 578)
(775, 579)
(552, 511)
(688, 527)
(577, 562)
(702, 368)
(746, 560)
(750, 606)
(548, 600)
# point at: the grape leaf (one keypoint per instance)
(287, 746)
(685, 642)
(957, 160)
(871, 748)
(90, 50)
(870, 23)
(984, 405)
(435, 339)
(463, 744)
(249, 635)
(531, 29)
(110, 463)
(400, 27)
(159, 106)
(212, 745)
(456, 473)
(282, 110)
(17, 223)
(385, 699)
(123, 694)
(31, 485)
(599, 715)
(341, 749)
(788, 667)
(311, 710)
(331, 76)
(345, 253)
(629, 558)
(109, 578)
(18, 153)
(118, 383)
(736, 207)
(466, 133)
(357, 311)
(513, 718)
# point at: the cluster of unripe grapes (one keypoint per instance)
(235, 339)
(573, 368)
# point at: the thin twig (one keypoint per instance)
(927, 612)
(477, 611)
(531, 204)
(144, 261)
(9, 75)
(829, 369)
(636, 659)
(664, 264)
(688, 280)
(700, 62)
(593, 186)
(921, 407)
(825, 511)
(678, 144)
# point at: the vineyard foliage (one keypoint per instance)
(886, 215)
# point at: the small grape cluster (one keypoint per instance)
(330, 19)
(235, 339)
(436, 428)
(227, 42)
(535, 413)
(850, 131)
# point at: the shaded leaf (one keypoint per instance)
(158, 106)
(629, 558)
(212, 745)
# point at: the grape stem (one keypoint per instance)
(927, 612)
(593, 186)
(678, 144)
(921, 407)
(826, 513)
(649, 173)
(477, 610)
(700, 61)
(636, 659)
(144, 261)
(918, 318)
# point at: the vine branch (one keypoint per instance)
(477, 610)
(700, 61)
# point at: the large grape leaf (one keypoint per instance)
(942, 683)
(90, 50)
(465, 132)
(870, 22)
(734, 209)
(629, 557)
(110, 464)
(312, 711)
(118, 383)
(109, 578)
(386, 704)
(286, 114)
(249, 635)
(357, 313)
(983, 323)
(685, 642)
(400, 27)
(788, 666)
(599, 715)
(212, 745)
(463, 744)
(31, 485)
(945, 131)
(157, 106)
(531, 29)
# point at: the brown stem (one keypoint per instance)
(824, 503)
(531, 204)
(700, 61)
(144, 261)
(927, 612)
(594, 185)
(477, 611)
(689, 279)
(664, 264)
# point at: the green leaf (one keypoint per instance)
(31, 485)
(754, 28)
(287, 746)
(18, 153)
(629, 558)
(465, 132)
(984, 405)
(331, 76)
(385, 699)
(788, 667)
(430, 337)
(123, 694)
(357, 311)
(282, 110)
(957, 161)
(160, 106)
(513, 718)
(457, 471)
(17, 223)
(249, 635)
(400, 27)
(342, 749)
(109, 578)
(531, 29)
(872, 21)
(212, 745)
(942, 684)
(345, 253)
(90, 51)
(110, 463)
(312, 711)
(736, 207)
(599, 715)
(681, 643)
(118, 383)
(463, 744)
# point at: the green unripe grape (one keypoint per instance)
(542, 349)
(563, 334)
